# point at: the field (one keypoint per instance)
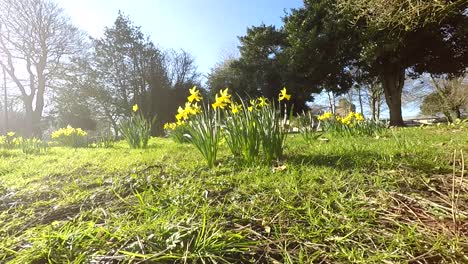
(398, 198)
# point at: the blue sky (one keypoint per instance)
(208, 29)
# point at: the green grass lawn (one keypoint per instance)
(400, 198)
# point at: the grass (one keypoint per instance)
(400, 198)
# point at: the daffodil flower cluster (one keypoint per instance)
(27, 145)
(68, 131)
(240, 122)
(351, 118)
(222, 100)
(326, 116)
(351, 125)
(7, 140)
(10, 140)
(69, 136)
(136, 129)
(191, 108)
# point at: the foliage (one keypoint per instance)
(137, 129)
(70, 137)
(401, 14)
(105, 140)
(242, 131)
(31, 145)
(261, 70)
(177, 132)
(321, 47)
(73, 106)
(7, 141)
(204, 132)
(27, 145)
(308, 127)
(273, 131)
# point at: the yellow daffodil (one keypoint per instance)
(219, 103)
(325, 116)
(262, 101)
(348, 119)
(135, 108)
(68, 131)
(253, 104)
(196, 109)
(182, 114)
(194, 95)
(283, 95)
(359, 117)
(225, 96)
(222, 100)
(11, 134)
(170, 126)
(235, 108)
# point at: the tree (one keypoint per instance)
(229, 74)
(36, 38)
(79, 81)
(183, 75)
(262, 68)
(450, 98)
(260, 52)
(345, 106)
(321, 48)
(425, 36)
(374, 97)
(129, 69)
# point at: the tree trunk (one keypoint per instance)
(5, 94)
(393, 79)
(378, 109)
(360, 101)
(331, 101)
(373, 108)
(29, 112)
(448, 116)
(457, 112)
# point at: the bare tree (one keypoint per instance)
(36, 38)
(181, 69)
(375, 99)
(449, 97)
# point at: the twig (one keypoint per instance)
(454, 206)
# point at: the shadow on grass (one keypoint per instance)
(362, 160)
(337, 161)
(6, 153)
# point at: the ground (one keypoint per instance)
(397, 198)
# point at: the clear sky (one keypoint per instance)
(206, 28)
